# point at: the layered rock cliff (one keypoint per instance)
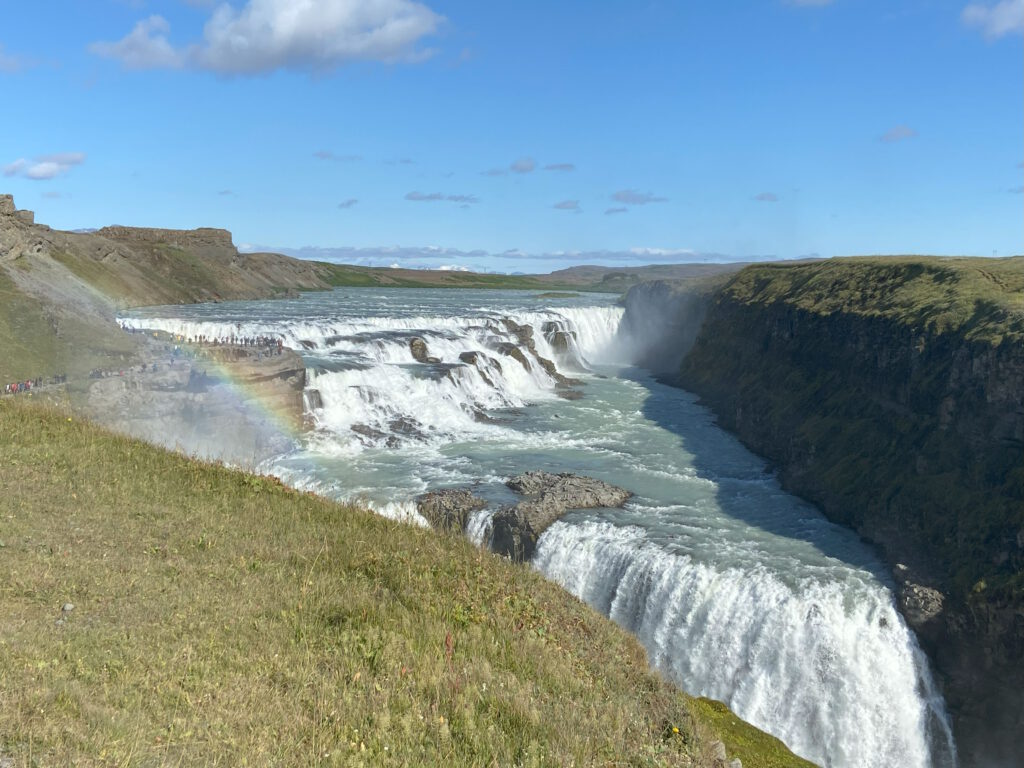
(890, 392)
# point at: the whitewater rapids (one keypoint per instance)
(738, 590)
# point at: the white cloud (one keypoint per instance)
(560, 167)
(614, 211)
(1004, 18)
(268, 35)
(348, 203)
(326, 154)
(45, 166)
(145, 47)
(632, 197)
(452, 268)
(434, 197)
(898, 133)
(766, 197)
(523, 165)
(569, 205)
(10, 63)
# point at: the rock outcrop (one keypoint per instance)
(516, 529)
(449, 509)
(420, 352)
(202, 239)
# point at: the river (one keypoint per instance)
(738, 590)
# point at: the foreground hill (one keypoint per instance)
(158, 610)
(890, 392)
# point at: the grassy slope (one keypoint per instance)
(346, 275)
(981, 298)
(40, 340)
(223, 619)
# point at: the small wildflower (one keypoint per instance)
(674, 729)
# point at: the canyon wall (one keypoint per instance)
(890, 392)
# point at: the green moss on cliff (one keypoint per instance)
(890, 392)
(982, 299)
(871, 382)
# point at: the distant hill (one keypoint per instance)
(618, 279)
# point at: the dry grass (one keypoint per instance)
(222, 619)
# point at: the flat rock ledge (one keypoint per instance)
(516, 529)
(449, 509)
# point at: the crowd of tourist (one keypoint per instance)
(265, 345)
(21, 387)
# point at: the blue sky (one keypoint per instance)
(525, 136)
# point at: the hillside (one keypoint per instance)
(160, 610)
(890, 392)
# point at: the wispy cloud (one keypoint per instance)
(145, 47)
(632, 197)
(568, 205)
(269, 35)
(766, 197)
(348, 203)
(560, 167)
(1017, 191)
(615, 211)
(897, 133)
(995, 21)
(45, 166)
(326, 154)
(10, 63)
(494, 172)
(433, 197)
(523, 165)
(226, 193)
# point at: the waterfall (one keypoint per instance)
(783, 621)
(372, 392)
(828, 667)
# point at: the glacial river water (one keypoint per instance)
(738, 590)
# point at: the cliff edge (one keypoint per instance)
(890, 392)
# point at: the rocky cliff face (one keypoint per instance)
(203, 238)
(892, 395)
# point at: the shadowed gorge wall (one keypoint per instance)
(890, 392)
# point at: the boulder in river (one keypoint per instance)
(420, 353)
(516, 529)
(449, 508)
(511, 350)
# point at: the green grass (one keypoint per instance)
(42, 340)
(223, 619)
(981, 298)
(28, 345)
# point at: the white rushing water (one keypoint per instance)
(738, 590)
